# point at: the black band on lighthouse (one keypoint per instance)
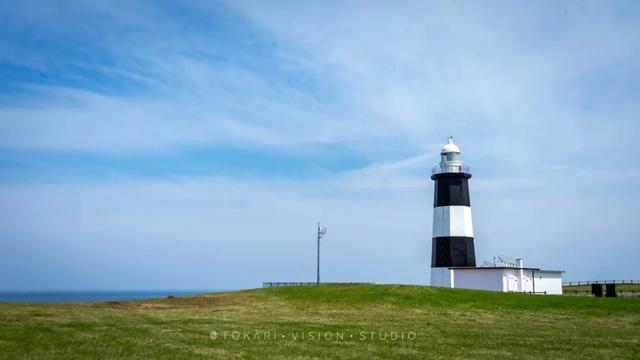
(453, 251)
(451, 189)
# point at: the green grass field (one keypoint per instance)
(336, 322)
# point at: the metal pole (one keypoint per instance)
(318, 260)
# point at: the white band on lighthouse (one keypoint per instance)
(452, 221)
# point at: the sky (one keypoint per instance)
(172, 145)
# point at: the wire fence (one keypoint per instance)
(603, 282)
(589, 293)
(280, 284)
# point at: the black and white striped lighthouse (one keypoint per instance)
(452, 241)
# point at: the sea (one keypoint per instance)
(93, 295)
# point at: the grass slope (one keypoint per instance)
(447, 323)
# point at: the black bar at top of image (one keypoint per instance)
(451, 189)
(453, 251)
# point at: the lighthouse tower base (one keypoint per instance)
(442, 277)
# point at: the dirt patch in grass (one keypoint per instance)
(172, 303)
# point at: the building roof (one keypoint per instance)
(489, 268)
(499, 268)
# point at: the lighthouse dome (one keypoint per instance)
(450, 147)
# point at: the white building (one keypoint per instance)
(503, 278)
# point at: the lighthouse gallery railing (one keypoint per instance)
(450, 169)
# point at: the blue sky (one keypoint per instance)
(151, 145)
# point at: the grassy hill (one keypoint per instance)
(329, 322)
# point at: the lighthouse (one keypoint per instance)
(453, 256)
(452, 238)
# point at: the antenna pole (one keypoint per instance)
(321, 232)
(318, 260)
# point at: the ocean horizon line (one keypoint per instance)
(95, 295)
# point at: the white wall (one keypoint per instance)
(478, 279)
(505, 280)
(526, 280)
(441, 277)
(549, 281)
(517, 280)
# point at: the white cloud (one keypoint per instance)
(205, 232)
(510, 80)
(226, 233)
(514, 77)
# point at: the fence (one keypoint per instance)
(603, 282)
(280, 284)
(614, 288)
(589, 293)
